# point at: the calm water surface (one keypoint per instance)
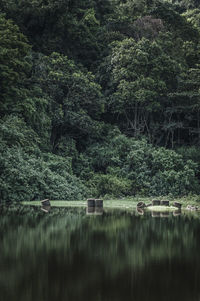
(67, 255)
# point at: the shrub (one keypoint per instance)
(113, 186)
(139, 167)
(27, 177)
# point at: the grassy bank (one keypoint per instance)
(126, 203)
(123, 204)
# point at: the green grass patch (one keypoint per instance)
(58, 203)
(125, 203)
(162, 208)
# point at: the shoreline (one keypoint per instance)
(126, 203)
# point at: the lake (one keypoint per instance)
(66, 254)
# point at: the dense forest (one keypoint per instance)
(99, 98)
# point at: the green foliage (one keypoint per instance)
(193, 16)
(187, 4)
(76, 101)
(65, 26)
(142, 73)
(172, 174)
(99, 73)
(26, 177)
(15, 132)
(26, 173)
(175, 22)
(147, 170)
(13, 63)
(106, 184)
(190, 153)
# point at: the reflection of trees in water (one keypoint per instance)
(65, 254)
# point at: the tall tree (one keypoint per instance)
(76, 101)
(14, 66)
(65, 26)
(142, 73)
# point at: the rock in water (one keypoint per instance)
(45, 202)
(177, 204)
(155, 202)
(141, 205)
(164, 203)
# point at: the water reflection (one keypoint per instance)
(99, 211)
(140, 211)
(94, 211)
(155, 214)
(46, 209)
(94, 207)
(161, 214)
(177, 212)
(90, 210)
(64, 255)
(164, 214)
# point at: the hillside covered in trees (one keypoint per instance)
(99, 97)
